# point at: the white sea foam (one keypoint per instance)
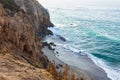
(54, 30)
(112, 73)
(71, 48)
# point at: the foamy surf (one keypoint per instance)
(111, 72)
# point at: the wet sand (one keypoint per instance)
(81, 65)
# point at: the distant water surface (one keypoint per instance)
(93, 29)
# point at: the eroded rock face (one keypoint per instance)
(19, 44)
(18, 33)
(38, 15)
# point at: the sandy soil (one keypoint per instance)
(14, 67)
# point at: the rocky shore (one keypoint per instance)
(81, 65)
(23, 23)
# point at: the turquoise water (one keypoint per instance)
(94, 31)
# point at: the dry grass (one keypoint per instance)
(64, 74)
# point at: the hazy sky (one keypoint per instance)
(71, 3)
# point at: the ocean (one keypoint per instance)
(94, 32)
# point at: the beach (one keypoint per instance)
(91, 27)
(87, 69)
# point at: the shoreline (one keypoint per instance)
(88, 70)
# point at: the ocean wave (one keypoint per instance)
(74, 50)
(55, 31)
(111, 72)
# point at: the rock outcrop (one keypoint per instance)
(21, 21)
(42, 19)
(18, 35)
(22, 25)
(36, 15)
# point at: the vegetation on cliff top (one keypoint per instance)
(64, 74)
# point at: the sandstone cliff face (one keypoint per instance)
(19, 25)
(18, 33)
(19, 45)
(21, 21)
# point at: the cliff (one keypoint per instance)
(18, 30)
(38, 16)
(33, 13)
(22, 25)
(21, 21)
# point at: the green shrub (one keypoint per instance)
(38, 65)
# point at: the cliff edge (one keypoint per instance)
(39, 17)
(22, 25)
(21, 21)
(33, 13)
